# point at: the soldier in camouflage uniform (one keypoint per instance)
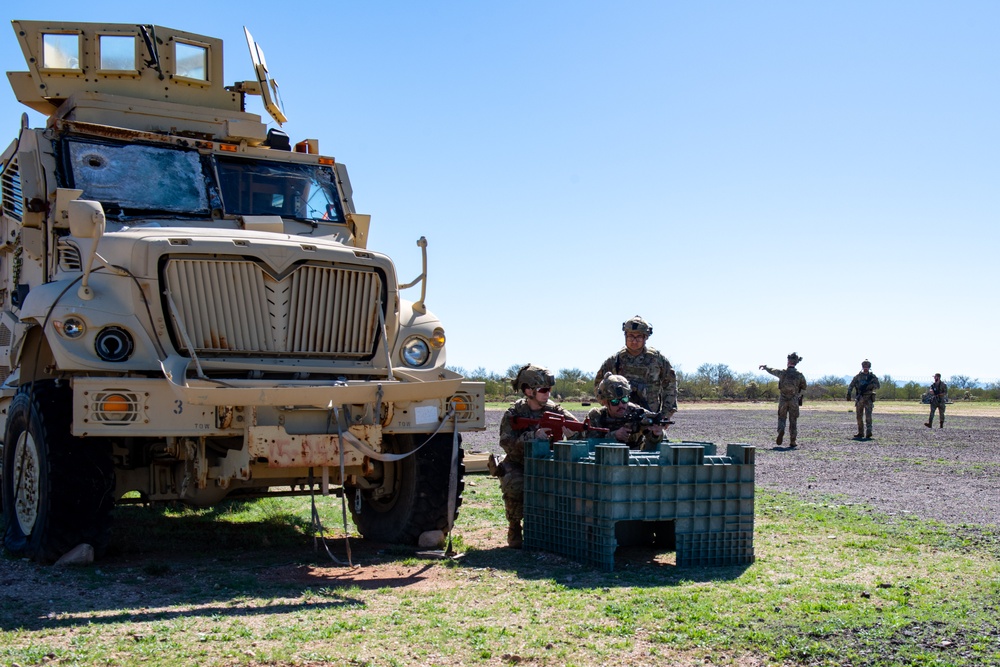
(653, 381)
(939, 395)
(864, 385)
(613, 392)
(791, 386)
(535, 384)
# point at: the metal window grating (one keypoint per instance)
(11, 197)
(132, 402)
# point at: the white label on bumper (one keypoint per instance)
(425, 414)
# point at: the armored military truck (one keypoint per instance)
(189, 310)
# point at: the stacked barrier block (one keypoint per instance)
(577, 491)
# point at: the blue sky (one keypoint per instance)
(753, 178)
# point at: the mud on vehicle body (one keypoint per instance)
(189, 310)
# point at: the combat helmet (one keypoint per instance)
(866, 364)
(613, 387)
(533, 377)
(793, 358)
(637, 325)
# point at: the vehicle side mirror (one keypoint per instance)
(86, 221)
(86, 218)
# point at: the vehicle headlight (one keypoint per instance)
(416, 351)
(72, 327)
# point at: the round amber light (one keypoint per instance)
(437, 338)
(115, 403)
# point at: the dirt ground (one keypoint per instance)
(951, 475)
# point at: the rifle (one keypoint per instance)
(639, 418)
(555, 422)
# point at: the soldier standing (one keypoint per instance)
(616, 415)
(653, 381)
(939, 395)
(791, 385)
(535, 384)
(864, 385)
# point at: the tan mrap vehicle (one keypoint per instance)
(188, 309)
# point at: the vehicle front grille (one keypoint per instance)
(236, 306)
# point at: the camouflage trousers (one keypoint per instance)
(863, 406)
(936, 404)
(788, 408)
(512, 489)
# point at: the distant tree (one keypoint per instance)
(512, 371)
(716, 374)
(962, 382)
(832, 381)
(572, 382)
(912, 390)
(887, 390)
(571, 374)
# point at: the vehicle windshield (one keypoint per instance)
(133, 178)
(260, 187)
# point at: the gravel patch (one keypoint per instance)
(951, 475)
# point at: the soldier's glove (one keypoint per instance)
(496, 467)
(848, 397)
(800, 400)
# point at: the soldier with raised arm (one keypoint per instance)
(791, 386)
(653, 380)
(864, 385)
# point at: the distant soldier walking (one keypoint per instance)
(653, 381)
(864, 385)
(791, 386)
(939, 396)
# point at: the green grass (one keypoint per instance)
(238, 584)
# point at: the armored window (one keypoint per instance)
(60, 51)
(117, 52)
(260, 187)
(133, 178)
(192, 61)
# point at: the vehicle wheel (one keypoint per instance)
(58, 491)
(418, 501)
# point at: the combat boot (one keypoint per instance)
(514, 538)
(781, 436)
(868, 434)
(927, 424)
(791, 443)
(859, 435)
(942, 424)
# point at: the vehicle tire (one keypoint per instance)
(58, 491)
(418, 501)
